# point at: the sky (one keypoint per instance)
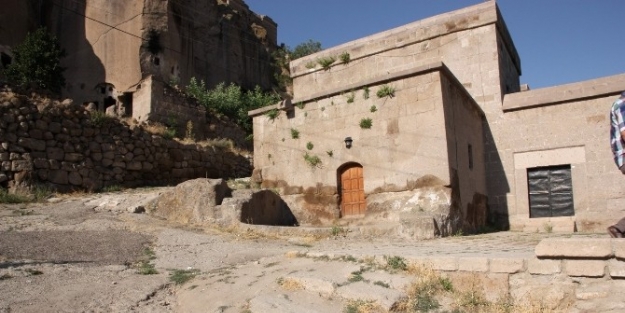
(559, 41)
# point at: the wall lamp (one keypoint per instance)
(348, 142)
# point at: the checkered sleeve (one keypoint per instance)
(619, 116)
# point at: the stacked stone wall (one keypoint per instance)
(65, 147)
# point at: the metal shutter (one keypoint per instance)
(550, 191)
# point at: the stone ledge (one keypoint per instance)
(585, 268)
(544, 267)
(504, 265)
(594, 248)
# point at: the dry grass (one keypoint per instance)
(290, 284)
(362, 306)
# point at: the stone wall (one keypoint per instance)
(170, 106)
(419, 139)
(564, 125)
(61, 145)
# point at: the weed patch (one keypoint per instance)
(146, 268)
(180, 277)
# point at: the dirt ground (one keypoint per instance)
(90, 253)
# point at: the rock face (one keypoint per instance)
(67, 148)
(111, 45)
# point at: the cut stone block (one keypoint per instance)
(599, 248)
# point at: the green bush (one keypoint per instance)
(366, 123)
(231, 101)
(37, 61)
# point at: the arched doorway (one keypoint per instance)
(352, 189)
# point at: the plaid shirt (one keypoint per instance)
(617, 126)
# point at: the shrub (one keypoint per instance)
(365, 93)
(350, 97)
(345, 57)
(294, 133)
(312, 160)
(373, 109)
(386, 91)
(180, 277)
(230, 100)
(366, 123)
(326, 62)
(309, 145)
(273, 114)
(37, 61)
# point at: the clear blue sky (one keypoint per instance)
(559, 41)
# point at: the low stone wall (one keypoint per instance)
(566, 272)
(173, 108)
(64, 146)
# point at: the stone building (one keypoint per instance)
(113, 46)
(458, 143)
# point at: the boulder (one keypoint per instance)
(191, 202)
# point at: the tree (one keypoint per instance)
(304, 49)
(37, 61)
(283, 55)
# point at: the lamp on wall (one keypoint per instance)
(348, 142)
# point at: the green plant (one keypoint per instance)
(180, 277)
(446, 284)
(6, 197)
(112, 188)
(326, 62)
(330, 153)
(273, 114)
(312, 160)
(366, 123)
(169, 133)
(310, 65)
(381, 284)
(230, 100)
(37, 61)
(98, 118)
(146, 268)
(356, 276)
(548, 228)
(337, 230)
(386, 91)
(350, 97)
(305, 48)
(395, 263)
(301, 105)
(344, 57)
(294, 133)
(40, 193)
(373, 109)
(365, 92)
(309, 145)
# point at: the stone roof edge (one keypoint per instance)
(595, 88)
(428, 68)
(424, 24)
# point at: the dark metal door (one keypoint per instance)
(550, 191)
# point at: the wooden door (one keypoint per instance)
(352, 191)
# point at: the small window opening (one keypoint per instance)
(157, 61)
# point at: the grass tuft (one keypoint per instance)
(180, 277)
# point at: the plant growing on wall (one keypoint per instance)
(326, 62)
(330, 153)
(273, 114)
(350, 97)
(345, 57)
(310, 65)
(312, 160)
(294, 133)
(386, 91)
(373, 109)
(366, 123)
(365, 92)
(310, 145)
(301, 105)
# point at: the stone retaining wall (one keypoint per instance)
(64, 146)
